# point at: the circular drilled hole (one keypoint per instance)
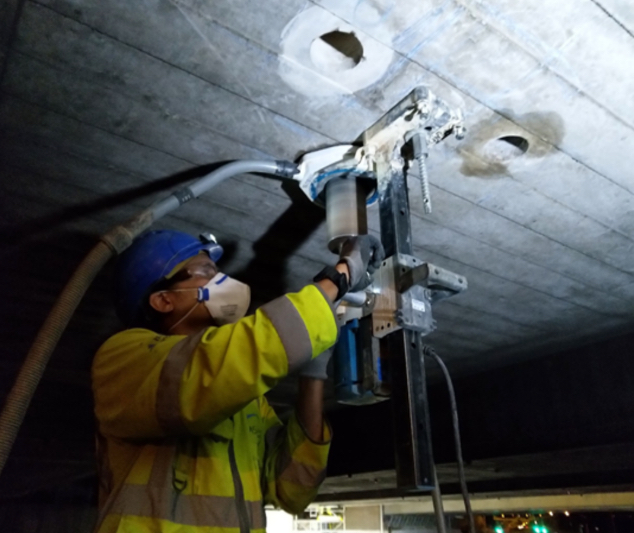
(336, 51)
(505, 148)
(518, 142)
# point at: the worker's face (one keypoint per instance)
(176, 302)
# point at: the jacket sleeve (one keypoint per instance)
(147, 385)
(295, 466)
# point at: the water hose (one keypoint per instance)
(112, 243)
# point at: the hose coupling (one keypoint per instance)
(286, 169)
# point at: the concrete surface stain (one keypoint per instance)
(544, 132)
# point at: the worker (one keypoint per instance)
(186, 439)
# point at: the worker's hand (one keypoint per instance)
(316, 368)
(362, 255)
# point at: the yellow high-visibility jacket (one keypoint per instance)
(186, 440)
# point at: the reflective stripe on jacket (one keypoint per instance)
(186, 440)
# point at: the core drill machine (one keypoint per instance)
(379, 352)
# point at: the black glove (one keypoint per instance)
(362, 255)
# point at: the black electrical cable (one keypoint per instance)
(429, 352)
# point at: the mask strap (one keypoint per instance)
(186, 315)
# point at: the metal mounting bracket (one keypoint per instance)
(405, 288)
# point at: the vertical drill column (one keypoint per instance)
(410, 414)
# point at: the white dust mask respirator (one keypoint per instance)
(226, 299)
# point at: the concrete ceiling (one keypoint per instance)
(100, 99)
(107, 106)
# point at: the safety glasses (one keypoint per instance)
(206, 270)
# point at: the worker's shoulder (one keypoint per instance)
(136, 339)
(132, 335)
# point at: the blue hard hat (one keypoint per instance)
(150, 258)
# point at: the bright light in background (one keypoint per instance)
(566, 513)
(499, 529)
(551, 513)
(278, 521)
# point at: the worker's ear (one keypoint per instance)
(161, 302)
